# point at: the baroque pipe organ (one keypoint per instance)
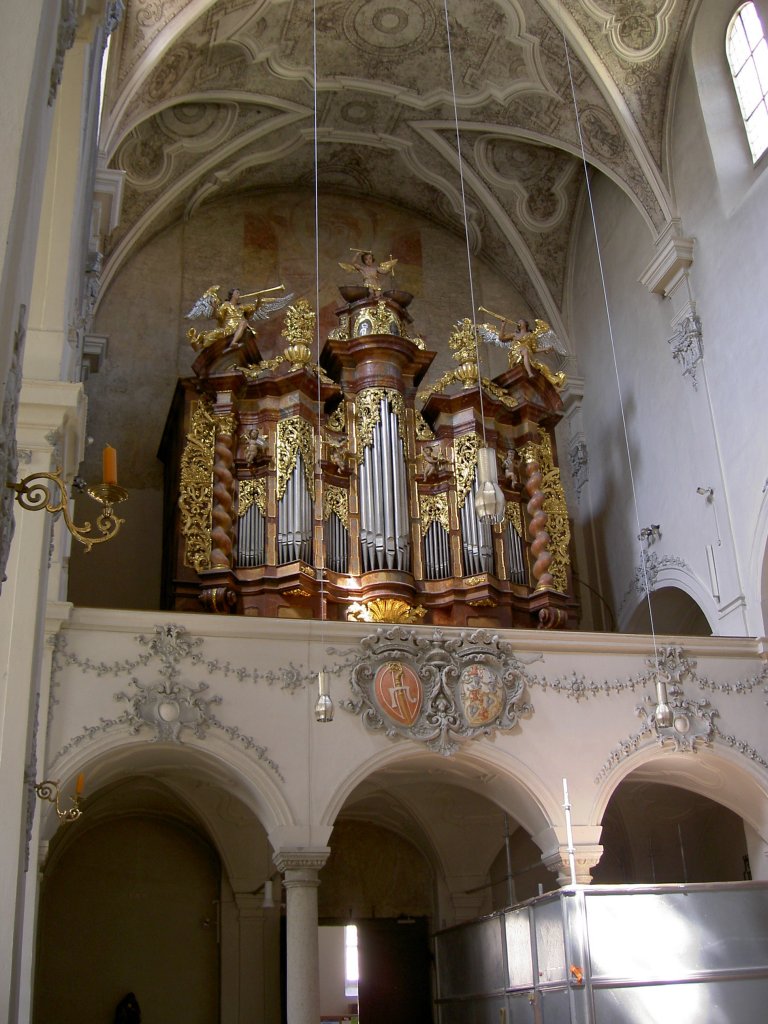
(342, 491)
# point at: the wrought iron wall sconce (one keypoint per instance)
(49, 790)
(33, 494)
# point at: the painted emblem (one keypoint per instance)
(398, 692)
(481, 694)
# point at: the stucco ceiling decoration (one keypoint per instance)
(211, 98)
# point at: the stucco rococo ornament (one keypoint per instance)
(438, 689)
(172, 708)
(578, 459)
(691, 722)
(687, 348)
(647, 573)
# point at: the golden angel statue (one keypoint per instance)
(372, 273)
(524, 342)
(232, 316)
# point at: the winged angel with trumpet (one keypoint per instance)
(524, 342)
(232, 316)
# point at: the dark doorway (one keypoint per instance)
(395, 971)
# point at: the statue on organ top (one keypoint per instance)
(232, 316)
(371, 272)
(524, 342)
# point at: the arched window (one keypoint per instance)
(748, 56)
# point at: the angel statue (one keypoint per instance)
(231, 315)
(524, 343)
(372, 273)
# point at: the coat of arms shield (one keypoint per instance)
(481, 693)
(398, 692)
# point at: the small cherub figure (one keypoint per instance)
(372, 273)
(232, 316)
(255, 443)
(511, 466)
(433, 459)
(524, 342)
(338, 452)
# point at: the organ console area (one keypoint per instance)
(345, 490)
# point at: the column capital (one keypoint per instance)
(586, 856)
(304, 862)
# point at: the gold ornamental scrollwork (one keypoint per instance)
(381, 320)
(386, 609)
(433, 508)
(341, 333)
(423, 430)
(252, 492)
(466, 447)
(369, 413)
(294, 435)
(336, 499)
(196, 486)
(513, 514)
(337, 421)
(558, 527)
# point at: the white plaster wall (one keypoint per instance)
(681, 438)
(301, 779)
(667, 422)
(728, 282)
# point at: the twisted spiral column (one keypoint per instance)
(537, 527)
(222, 532)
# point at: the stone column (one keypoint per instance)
(300, 868)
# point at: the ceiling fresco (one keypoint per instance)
(206, 99)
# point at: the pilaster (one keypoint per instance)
(50, 429)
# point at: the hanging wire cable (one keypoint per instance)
(324, 704)
(490, 505)
(464, 212)
(646, 583)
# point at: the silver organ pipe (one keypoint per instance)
(294, 519)
(384, 520)
(251, 537)
(476, 537)
(336, 544)
(513, 545)
(437, 554)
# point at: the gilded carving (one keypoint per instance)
(369, 413)
(196, 487)
(433, 508)
(472, 581)
(387, 609)
(336, 499)
(298, 332)
(295, 435)
(252, 492)
(513, 514)
(341, 333)
(423, 430)
(466, 448)
(337, 421)
(381, 319)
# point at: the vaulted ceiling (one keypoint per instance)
(208, 98)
